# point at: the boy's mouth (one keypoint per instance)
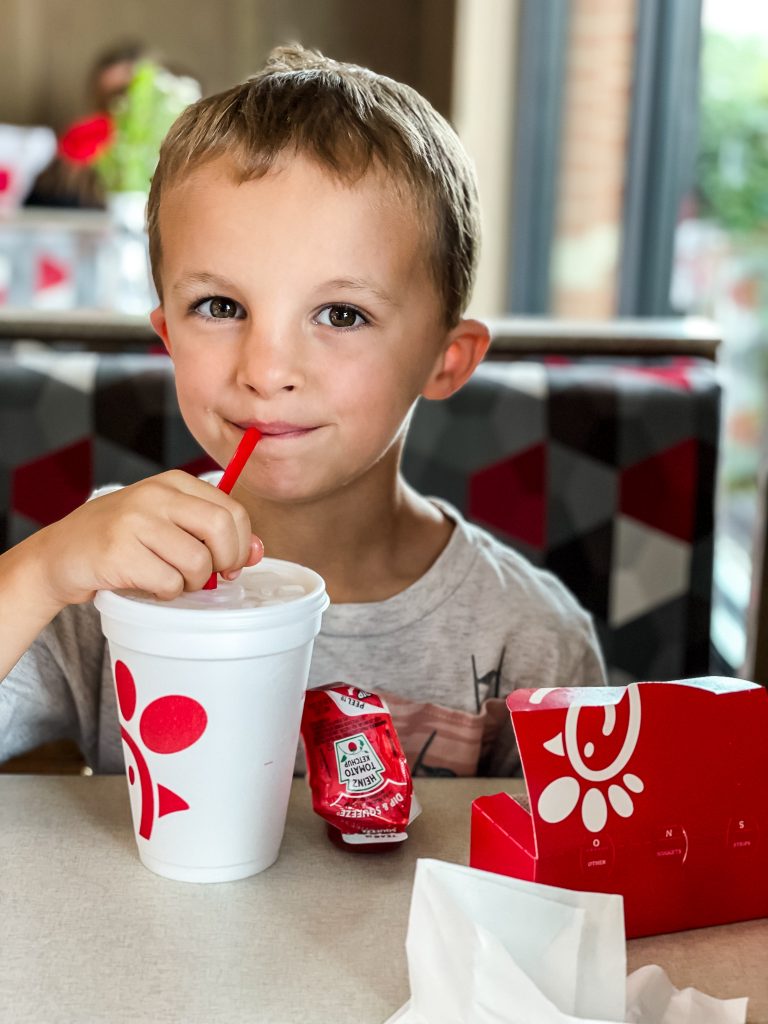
(277, 430)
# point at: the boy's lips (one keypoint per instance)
(277, 429)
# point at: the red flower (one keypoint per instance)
(85, 140)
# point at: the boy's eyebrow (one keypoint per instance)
(186, 280)
(358, 284)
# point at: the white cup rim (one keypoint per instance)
(116, 606)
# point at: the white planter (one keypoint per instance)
(130, 288)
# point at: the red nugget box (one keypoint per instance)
(656, 791)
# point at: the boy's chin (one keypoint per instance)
(283, 491)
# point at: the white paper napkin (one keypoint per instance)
(486, 949)
(651, 996)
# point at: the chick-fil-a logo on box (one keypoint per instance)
(166, 726)
(594, 757)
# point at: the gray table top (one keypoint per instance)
(88, 935)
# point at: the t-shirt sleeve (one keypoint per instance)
(589, 667)
(52, 692)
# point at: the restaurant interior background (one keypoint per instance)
(621, 147)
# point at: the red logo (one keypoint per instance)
(166, 726)
(49, 272)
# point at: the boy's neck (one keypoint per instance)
(367, 546)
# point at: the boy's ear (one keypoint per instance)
(160, 325)
(465, 346)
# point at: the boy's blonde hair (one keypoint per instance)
(348, 119)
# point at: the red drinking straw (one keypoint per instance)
(229, 478)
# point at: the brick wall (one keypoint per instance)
(596, 112)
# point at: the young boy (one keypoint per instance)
(313, 236)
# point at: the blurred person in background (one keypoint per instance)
(72, 178)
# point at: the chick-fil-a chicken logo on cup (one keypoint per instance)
(166, 726)
(560, 798)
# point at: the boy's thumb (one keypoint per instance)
(257, 551)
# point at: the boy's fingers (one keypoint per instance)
(198, 507)
(203, 513)
(182, 551)
(225, 531)
(153, 575)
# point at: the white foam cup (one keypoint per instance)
(210, 689)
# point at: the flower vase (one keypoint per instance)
(131, 289)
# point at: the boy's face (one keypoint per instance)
(305, 307)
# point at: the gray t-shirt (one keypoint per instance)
(482, 621)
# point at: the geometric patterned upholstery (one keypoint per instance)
(72, 421)
(604, 473)
(601, 471)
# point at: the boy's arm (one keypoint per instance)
(26, 605)
(161, 536)
(52, 692)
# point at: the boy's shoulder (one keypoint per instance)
(496, 572)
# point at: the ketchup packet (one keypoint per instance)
(357, 771)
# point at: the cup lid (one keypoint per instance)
(270, 593)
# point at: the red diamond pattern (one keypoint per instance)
(511, 495)
(50, 487)
(661, 491)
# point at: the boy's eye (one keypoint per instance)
(220, 308)
(341, 317)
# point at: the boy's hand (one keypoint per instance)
(161, 536)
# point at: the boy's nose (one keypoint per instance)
(268, 364)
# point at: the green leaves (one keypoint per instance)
(142, 117)
(733, 148)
